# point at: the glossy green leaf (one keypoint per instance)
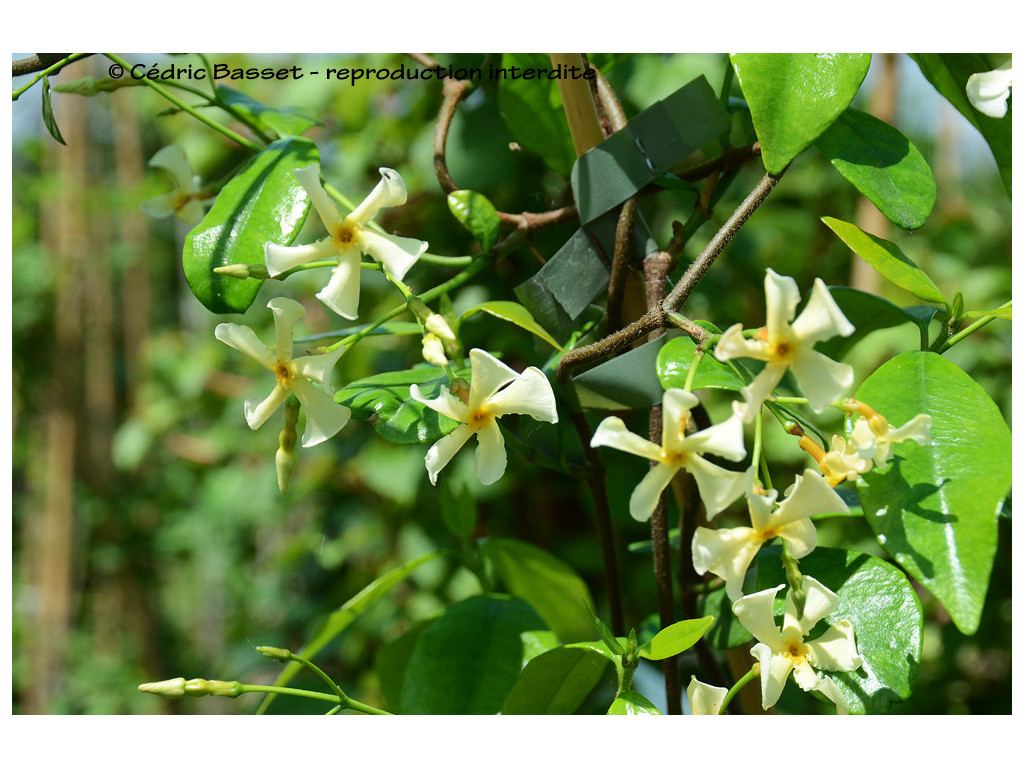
(556, 682)
(400, 419)
(883, 165)
(949, 73)
(726, 632)
(469, 659)
(391, 661)
(795, 97)
(650, 144)
(263, 204)
(632, 703)
(515, 313)
(48, 119)
(554, 589)
(605, 633)
(888, 259)
(477, 214)
(532, 110)
(674, 362)
(284, 121)
(676, 638)
(935, 509)
(338, 620)
(886, 615)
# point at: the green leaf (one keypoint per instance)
(554, 590)
(886, 615)
(90, 86)
(676, 357)
(650, 144)
(868, 313)
(632, 703)
(400, 419)
(883, 165)
(263, 204)
(339, 619)
(48, 119)
(515, 313)
(1005, 312)
(888, 259)
(949, 72)
(676, 638)
(935, 509)
(458, 509)
(284, 121)
(556, 682)
(392, 660)
(532, 110)
(469, 659)
(605, 633)
(726, 632)
(627, 381)
(795, 97)
(477, 214)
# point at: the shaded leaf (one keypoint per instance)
(477, 214)
(48, 119)
(627, 381)
(284, 121)
(883, 165)
(514, 313)
(556, 682)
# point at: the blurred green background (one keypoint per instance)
(149, 538)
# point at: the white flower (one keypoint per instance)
(785, 652)
(718, 487)
(843, 462)
(183, 202)
(988, 91)
(348, 238)
(728, 552)
(324, 417)
(873, 439)
(784, 343)
(705, 699)
(488, 400)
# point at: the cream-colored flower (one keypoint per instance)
(728, 552)
(348, 237)
(843, 462)
(781, 653)
(295, 375)
(784, 343)
(873, 439)
(705, 699)
(495, 390)
(678, 450)
(184, 202)
(989, 91)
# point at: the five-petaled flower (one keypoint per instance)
(784, 343)
(728, 552)
(184, 202)
(495, 390)
(783, 652)
(870, 443)
(295, 375)
(705, 699)
(718, 487)
(988, 91)
(348, 238)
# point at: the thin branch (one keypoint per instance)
(620, 263)
(38, 63)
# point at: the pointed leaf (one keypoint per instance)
(48, 119)
(935, 509)
(515, 313)
(883, 165)
(632, 703)
(477, 214)
(795, 97)
(676, 638)
(888, 259)
(556, 682)
(263, 204)
(284, 121)
(676, 358)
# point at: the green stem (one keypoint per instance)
(52, 68)
(975, 326)
(224, 130)
(751, 675)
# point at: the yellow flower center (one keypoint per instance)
(479, 419)
(675, 459)
(346, 234)
(283, 375)
(781, 348)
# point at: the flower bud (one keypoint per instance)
(278, 654)
(418, 308)
(433, 351)
(240, 271)
(285, 457)
(437, 325)
(170, 689)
